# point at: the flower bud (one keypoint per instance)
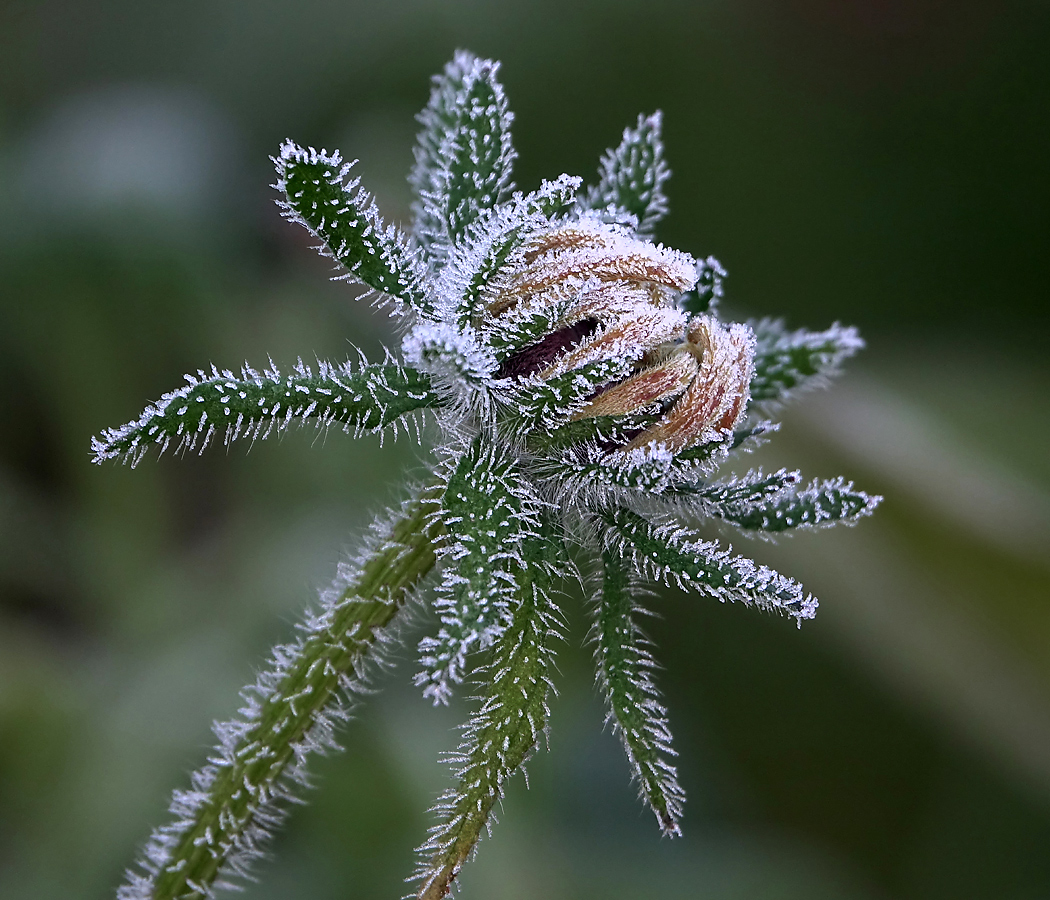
(612, 292)
(615, 297)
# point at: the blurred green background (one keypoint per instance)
(879, 162)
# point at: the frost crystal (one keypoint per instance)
(585, 392)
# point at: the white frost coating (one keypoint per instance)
(778, 378)
(475, 269)
(624, 673)
(578, 394)
(480, 762)
(590, 470)
(821, 504)
(633, 175)
(536, 403)
(710, 284)
(356, 399)
(488, 512)
(442, 349)
(466, 126)
(402, 278)
(721, 574)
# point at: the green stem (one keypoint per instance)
(238, 806)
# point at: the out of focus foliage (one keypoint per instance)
(880, 162)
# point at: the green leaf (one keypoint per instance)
(625, 668)
(651, 469)
(645, 470)
(255, 404)
(709, 290)
(602, 431)
(789, 362)
(527, 324)
(633, 175)
(746, 491)
(487, 516)
(346, 220)
(747, 439)
(464, 155)
(545, 406)
(674, 555)
(820, 505)
(502, 735)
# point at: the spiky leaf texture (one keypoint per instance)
(506, 729)
(673, 554)
(632, 176)
(438, 118)
(584, 390)
(455, 353)
(625, 667)
(256, 404)
(292, 711)
(650, 470)
(820, 505)
(789, 362)
(539, 405)
(748, 491)
(737, 494)
(488, 515)
(346, 220)
(464, 155)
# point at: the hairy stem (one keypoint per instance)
(237, 806)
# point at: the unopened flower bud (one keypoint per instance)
(617, 299)
(614, 294)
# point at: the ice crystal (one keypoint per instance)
(585, 390)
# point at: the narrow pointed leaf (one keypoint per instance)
(256, 404)
(738, 493)
(502, 735)
(292, 712)
(820, 505)
(473, 268)
(545, 405)
(633, 175)
(487, 516)
(748, 438)
(464, 154)
(675, 555)
(438, 348)
(517, 337)
(625, 668)
(651, 469)
(789, 362)
(345, 218)
(646, 470)
(706, 296)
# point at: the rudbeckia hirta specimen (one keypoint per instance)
(585, 393)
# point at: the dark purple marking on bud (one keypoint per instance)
(530, 360)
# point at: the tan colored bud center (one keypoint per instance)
(624, 289)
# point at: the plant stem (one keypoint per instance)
(237, 807)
